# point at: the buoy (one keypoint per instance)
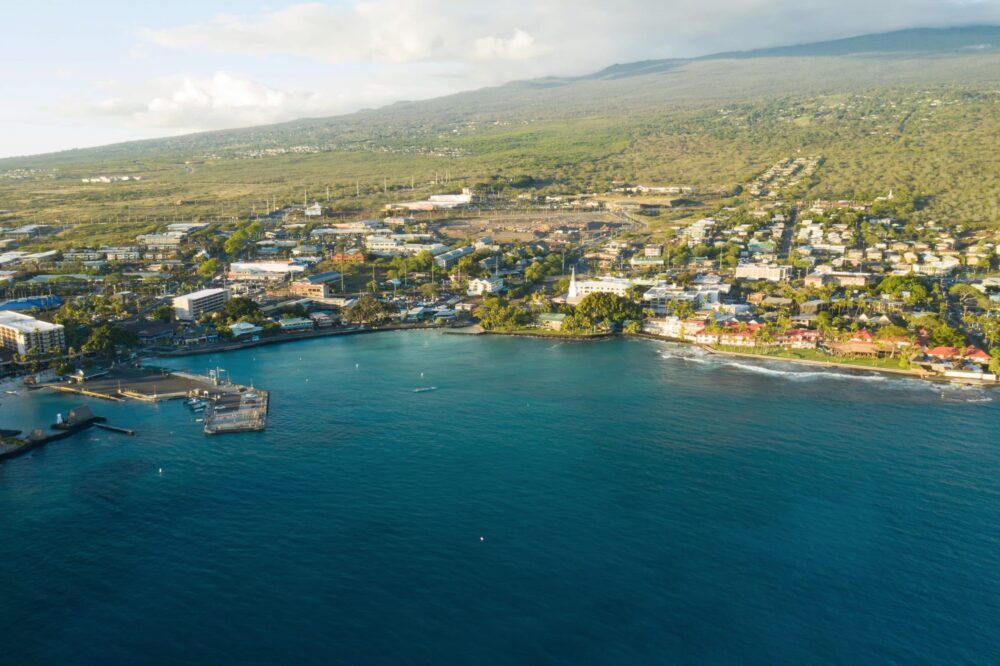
(160, 471)
(482, 538)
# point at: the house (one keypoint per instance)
(977, 355)
(296, 324)
(552, 321)
(244, 328)
(314, 210)
(944, 353)
(777, 302)
(800, 338)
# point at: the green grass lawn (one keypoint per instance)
(817, 356)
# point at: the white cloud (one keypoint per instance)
(521, 46)
(186, 102)
(552, 36)
(322, 59)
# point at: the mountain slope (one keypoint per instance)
(910, 57)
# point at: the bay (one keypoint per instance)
(606, 503)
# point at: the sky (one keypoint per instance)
(79, 74)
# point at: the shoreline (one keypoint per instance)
(284, 337)
(922, 375)
(477, 330)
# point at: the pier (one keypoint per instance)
(229, 407)
(247, 413)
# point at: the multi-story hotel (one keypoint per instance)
(191, 306)
(20, 333)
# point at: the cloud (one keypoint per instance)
(383, 31)
(551, 36)
(321, 59)
(521, 46)
(194, 103)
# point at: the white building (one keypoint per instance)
(769, 272)
(263, 271)
(698, 231)
(450, 258)
(242, 328)
(192, 306)
(578, 289)
(488, 285)
(20, 333)
(122, 253)
(169, 240)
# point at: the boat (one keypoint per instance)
(11, 392)
(424, 389)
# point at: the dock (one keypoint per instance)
(246, 414)
(229, 407)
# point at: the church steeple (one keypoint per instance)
(572, 285)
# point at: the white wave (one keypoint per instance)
(696, 355)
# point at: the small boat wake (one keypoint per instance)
(424, 389)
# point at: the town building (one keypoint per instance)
(578, 289)
(769, 272)
(20, 332)
(450, 258)
(296, 324)
(311, 290)
(189, 307)
(263, 271)
(242, 328)
(487, 285)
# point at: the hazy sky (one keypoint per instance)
(80, 74)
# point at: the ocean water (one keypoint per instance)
(624, 502)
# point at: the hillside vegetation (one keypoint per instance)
(915, 111)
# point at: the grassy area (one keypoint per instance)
(816, 356)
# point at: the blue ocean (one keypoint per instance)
(619, 502)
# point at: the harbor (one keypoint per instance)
(224, 406)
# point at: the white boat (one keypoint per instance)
(424, 389)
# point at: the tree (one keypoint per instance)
(429, 291)
(209, 267)
(912, 289)
(240, 308)
(604, 307)
(995, 361)
(105, 339)
(499, 314)
(534, 272)
(369, 310)
(164, 313)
